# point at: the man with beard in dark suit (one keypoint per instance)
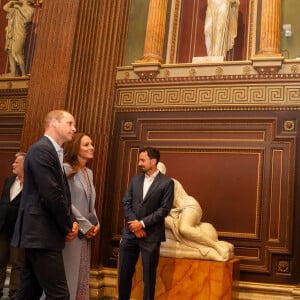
(9, 205)
(147, 201)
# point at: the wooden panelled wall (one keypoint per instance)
(78, 46)
(241, 165)
(10, 136)
(74, 69)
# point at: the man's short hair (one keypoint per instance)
(20, 154)
(153, 153)
(54, 114)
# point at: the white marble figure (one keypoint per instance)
(220, 26)
(186, 235)
(19, 14)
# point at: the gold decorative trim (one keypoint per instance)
(294, 68)
(13, 106)
(258, 96)
(173, 31)
(126, 78)
(268, 70)
(127, 126)
(12, 91)
(283, 266)
(13, 95)
(258, 69)
(219, 71)
(255, 290)
(267, 65)
(289, 125)
(252, 20)
(208, 108)
(16, 83)
(146, 71)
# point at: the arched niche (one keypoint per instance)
(186, 31)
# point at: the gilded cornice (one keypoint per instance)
(209, 86)
(13, 95)
(7, 84)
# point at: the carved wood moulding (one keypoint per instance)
(13, 95)
(257, 69)
(209, 86)
(13, 106)
(13, 83)
(211, 97)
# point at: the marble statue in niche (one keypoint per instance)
(220, 27)
(186, 235)
(19, 14)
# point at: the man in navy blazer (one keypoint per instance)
(9, 205)
(147, 201)
(44, 220)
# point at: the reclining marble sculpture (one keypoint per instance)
(186, 235)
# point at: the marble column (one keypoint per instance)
(270, 28)
(155, 32)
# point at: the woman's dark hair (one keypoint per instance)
(71, 150)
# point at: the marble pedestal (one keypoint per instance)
(208, 59)
(179, 278)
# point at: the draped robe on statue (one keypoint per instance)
(220, 26)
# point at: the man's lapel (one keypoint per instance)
(153, 187)
(140, 187)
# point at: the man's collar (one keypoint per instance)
(55, 144)
(152, 175)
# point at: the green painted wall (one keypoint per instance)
(136, 30)
(290, 46)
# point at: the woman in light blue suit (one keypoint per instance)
(80, 178)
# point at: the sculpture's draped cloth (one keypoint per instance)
(221, 26)
(16, 27)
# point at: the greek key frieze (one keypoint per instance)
(173, 96)
(210, 95)
(293, 94)
(13, 106)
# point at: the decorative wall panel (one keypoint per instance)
(239, 165)
(13, 105)
(10, 135)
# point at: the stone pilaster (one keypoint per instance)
(269, 44)
(155, 32)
